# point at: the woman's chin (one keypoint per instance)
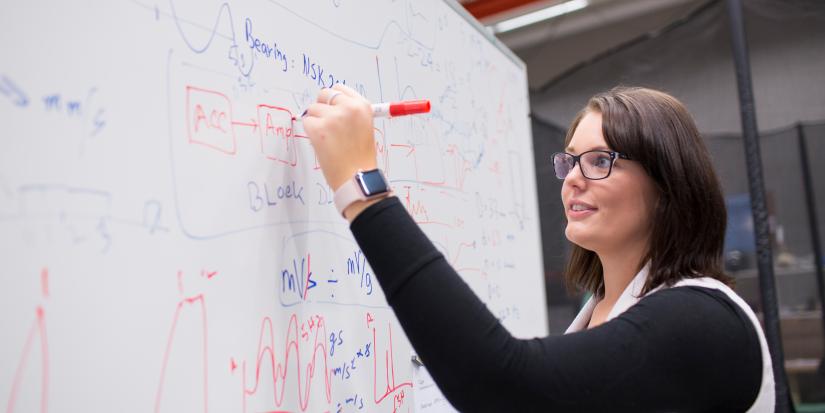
(580, 238)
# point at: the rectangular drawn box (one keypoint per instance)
(276, 129)
(209, 120)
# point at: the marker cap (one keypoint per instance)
(409, 107)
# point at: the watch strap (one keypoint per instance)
(357, 189)
(346, 194)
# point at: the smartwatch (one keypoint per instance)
(365, 185)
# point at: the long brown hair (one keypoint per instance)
(688, 223)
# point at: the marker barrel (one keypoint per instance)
(392, 109)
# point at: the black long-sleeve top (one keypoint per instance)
(682, 349)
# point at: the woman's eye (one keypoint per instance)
(602, 162)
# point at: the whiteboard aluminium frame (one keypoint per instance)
(455, 5)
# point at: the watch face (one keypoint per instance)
(373, 182)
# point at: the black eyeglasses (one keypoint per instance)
(593, 164)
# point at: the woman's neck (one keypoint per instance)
(619, 268)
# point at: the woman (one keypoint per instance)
(647, 219)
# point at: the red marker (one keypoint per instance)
(407, 107)
(392, 109)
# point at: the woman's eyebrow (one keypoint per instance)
(571, 149)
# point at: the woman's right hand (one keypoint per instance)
(341, 132)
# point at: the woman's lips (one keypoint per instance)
(580, 210)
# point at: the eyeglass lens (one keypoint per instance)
(594, 165)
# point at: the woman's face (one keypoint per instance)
(616, 212)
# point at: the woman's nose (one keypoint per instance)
(575, 176)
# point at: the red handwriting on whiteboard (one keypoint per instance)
(195, 303)
(37, 332)
(209, 120)
(265, 356)
(391, 387)
(277, 137)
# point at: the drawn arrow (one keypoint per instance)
(253, 124)
(410, 147)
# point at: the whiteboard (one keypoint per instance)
(168, 241)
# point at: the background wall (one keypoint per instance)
(683, 48)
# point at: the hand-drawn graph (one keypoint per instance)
(387, 386)
(277, 366)
(179, 388)
(26, 389)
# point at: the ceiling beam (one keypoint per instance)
(481, 9)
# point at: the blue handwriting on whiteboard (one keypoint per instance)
(272, 195)
(264, 48)
(8, 88)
